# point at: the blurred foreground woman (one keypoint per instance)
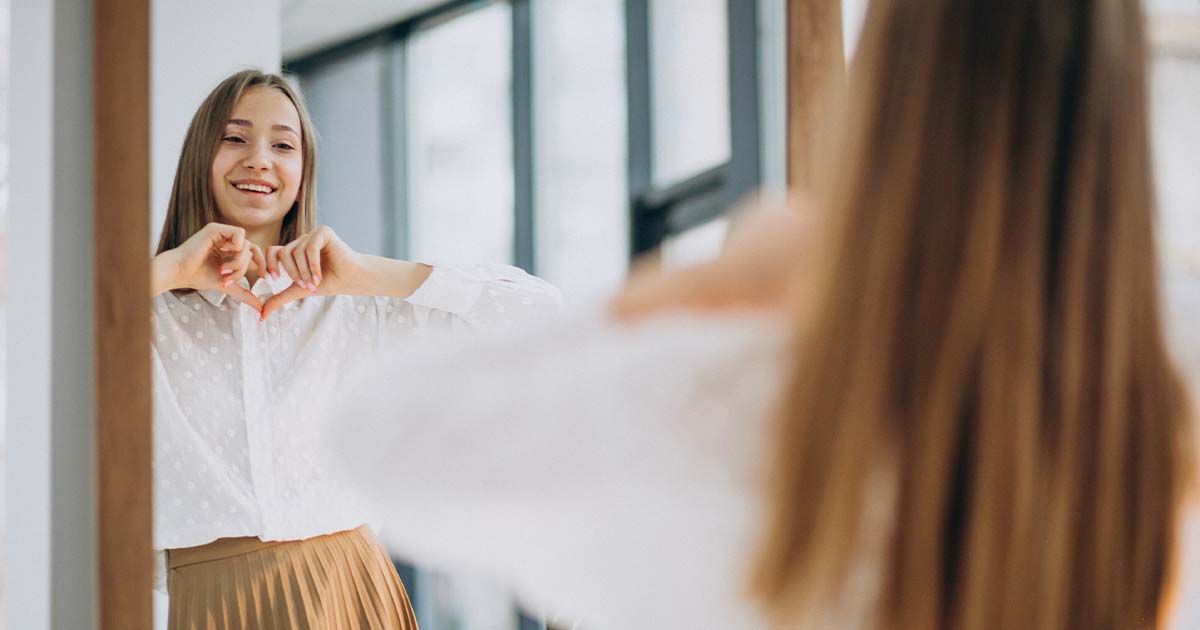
(965, 405)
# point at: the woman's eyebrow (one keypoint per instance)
(242, 122)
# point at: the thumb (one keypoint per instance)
(290, 294)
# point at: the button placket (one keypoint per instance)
(255, 395)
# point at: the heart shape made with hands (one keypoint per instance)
(293, 271)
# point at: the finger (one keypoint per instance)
(229, 263)
(227, 237)
(241, 265)
(290, 294)
(289, 264)
(273, 260)
(313, 252)
(259, 260)
(300, 256)
(246, 297)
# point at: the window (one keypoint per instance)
(689, 72)
(460, 138)
(539, 133)
(582, 221)
(693, 73)
(346, 93)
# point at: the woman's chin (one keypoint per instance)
(252, 218)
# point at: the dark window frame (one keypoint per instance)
(655, 213)
(658, 213)
(394, 81)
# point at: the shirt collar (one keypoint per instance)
(263, 288)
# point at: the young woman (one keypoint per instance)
(258, 312)
(962, 415)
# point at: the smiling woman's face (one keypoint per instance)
(257, 169)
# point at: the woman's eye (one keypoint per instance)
(236, 139)
(284, 146)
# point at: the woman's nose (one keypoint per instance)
(258, 158)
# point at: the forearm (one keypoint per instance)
(388, 277)
(163, 271)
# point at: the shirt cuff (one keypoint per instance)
(447, 289)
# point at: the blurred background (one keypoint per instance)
(562, 136)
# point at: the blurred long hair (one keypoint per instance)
(987, 331)
(192, 204)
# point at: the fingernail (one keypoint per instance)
(317, 279)
(225, 272)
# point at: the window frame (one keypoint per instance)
(655, 213)
(658, 213)
(395, 89)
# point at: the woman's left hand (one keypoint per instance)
(318, 262)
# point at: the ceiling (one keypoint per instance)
(310, 25)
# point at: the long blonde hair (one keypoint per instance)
(987, 329)
(192, 205)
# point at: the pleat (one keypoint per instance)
(341, 581)
(308, 584)
(356, 589)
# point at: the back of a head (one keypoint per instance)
(987, 331)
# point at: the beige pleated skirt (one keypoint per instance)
(341, 581)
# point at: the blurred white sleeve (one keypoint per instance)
(480, 295)
(609, 473)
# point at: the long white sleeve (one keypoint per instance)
(610, 474)
(483, 295)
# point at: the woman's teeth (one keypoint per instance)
(254, 188)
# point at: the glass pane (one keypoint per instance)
(344, 100)
(699, 244)
(1174, 6)
(3, 280)
(854, 12)
(582, 221)
(461, 190)
(689, 60)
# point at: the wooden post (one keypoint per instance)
(121, 116)
(815, 59)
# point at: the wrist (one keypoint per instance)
(164, 273)
(392, 278)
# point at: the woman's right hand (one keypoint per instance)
(214, 258)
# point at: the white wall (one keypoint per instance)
(50, 549)
(195, 45)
